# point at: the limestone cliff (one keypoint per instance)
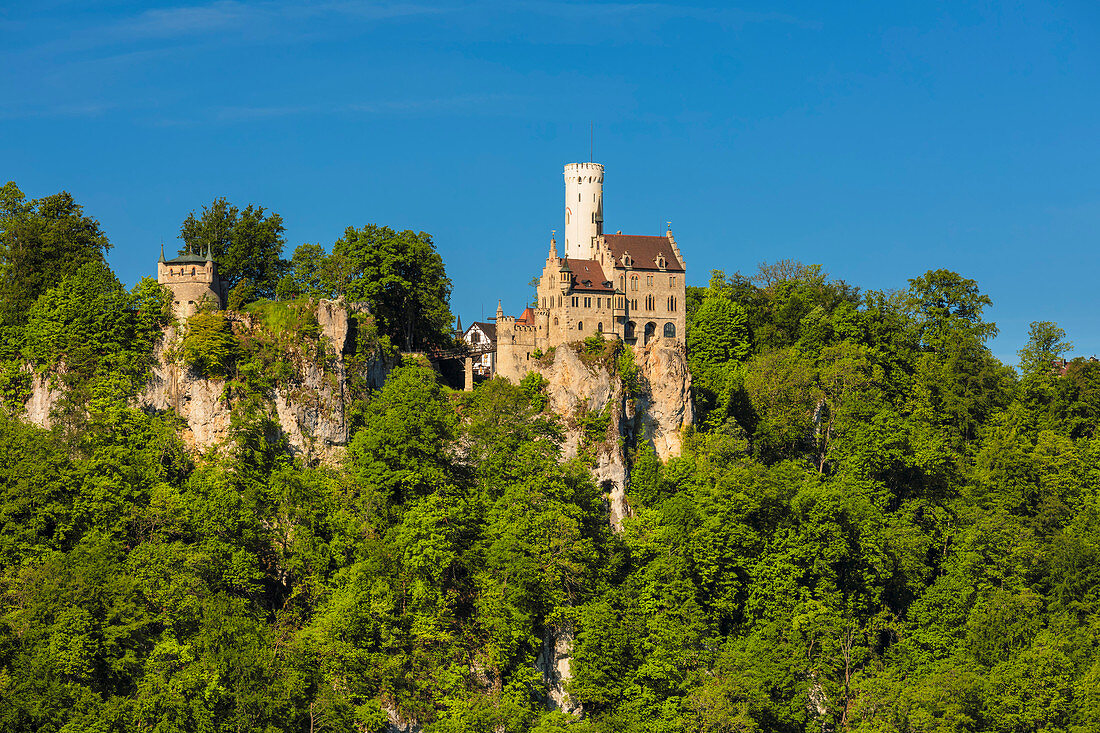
(308, 405)
(655, 415)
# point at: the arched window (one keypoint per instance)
(670, 330)
(599, 327)
(633, 282)
(192, 272)
(628, 331)
(580, 325)
(649, 304)
(672, 304)
(567, 213)
(555, 320)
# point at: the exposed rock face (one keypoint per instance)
(553, 662)
(42, 400)
(397, 724)
(656, 415)
(309, 406)
(198, 402)
(664, 402)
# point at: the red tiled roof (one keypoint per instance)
(588, 275)
(528, 316)
(643, 251)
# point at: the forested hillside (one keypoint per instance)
(874, 525)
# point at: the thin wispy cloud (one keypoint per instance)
(248, 19)
(71, 110)
(490, 103)
(222, 20)
(730, 15)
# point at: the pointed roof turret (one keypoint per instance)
(458, 325)
(553, 244)
(161, 251)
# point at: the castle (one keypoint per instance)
(193, 279)
(623, 286)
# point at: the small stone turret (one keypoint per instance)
(193, 279)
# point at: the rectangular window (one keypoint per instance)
(672, 281)
(587, 302)
(649, 280)
(574, 301)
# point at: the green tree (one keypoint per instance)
(945, 305)
(209, 346)
(1044, 344)
(401, 276)
(314, 272)
(41, 241)
(246, 243)
(717, 343)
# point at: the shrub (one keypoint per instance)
(209, 346)
(628, 371)
(243, 292)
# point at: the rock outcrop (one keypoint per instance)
(554, 662)
(663, 404)
(44, 396)
(656, 415)
(309, 406)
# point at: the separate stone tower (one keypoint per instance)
(583, 208)
(193, 279)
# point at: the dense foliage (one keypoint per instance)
(400, 275)
(246, 243)
(40, 242)
(874, 526)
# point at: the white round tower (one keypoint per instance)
(583, 208)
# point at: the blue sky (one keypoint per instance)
(878, 139)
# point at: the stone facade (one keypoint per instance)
(193, 279)
(613, 285)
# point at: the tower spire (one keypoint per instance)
(161, 251)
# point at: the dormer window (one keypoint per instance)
(628, 261)
(661, 262)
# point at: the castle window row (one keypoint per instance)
(599, 326)
(635, 281)
(601, 302)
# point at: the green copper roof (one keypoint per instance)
(187, 259)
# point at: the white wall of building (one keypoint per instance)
(583, 199)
